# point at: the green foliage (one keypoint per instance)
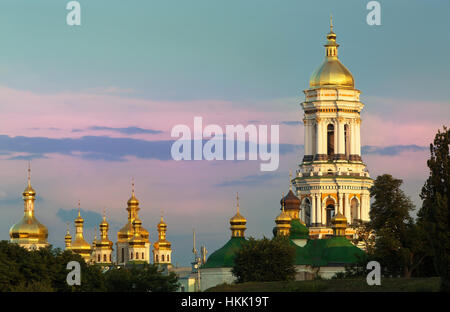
(140, 278)
(45, 270)
(435, 211)
(399, 241)
(265, 260)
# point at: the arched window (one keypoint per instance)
(330, 214)
(123, 255)
(162, 258)
(98, 258)
(143, 256)
(354, 210)
(110, 259)
(168, 258)
(157, 259)
(307, 212)
(104, 258)
(330, 140)
(131, 256)
(347, 141)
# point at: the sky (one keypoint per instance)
(92, 106)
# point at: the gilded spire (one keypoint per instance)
(29, 192)
(331, 23)
(29, 174)
(68, 237)
(237, 201)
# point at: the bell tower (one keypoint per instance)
(332, 177)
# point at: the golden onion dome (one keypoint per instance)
(133, 201)
(331, 73)
(29, 191)
(237, 218)
(29, 229)
(283, 217)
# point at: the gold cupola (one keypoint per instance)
(283, 221)
(162, 243)
(339, 224)
(104, 241)
(29, 232)
(79, 245)
(331, 73)
(68, 238)
(238, 222)
(126, 232)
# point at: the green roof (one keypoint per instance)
(328, 252)
(298, 230)
(224, 257)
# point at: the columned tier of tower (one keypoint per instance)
(322, 197)
(332, 125)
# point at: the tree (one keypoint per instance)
(140, 278)
(365, 237)
(398, 240)
(265, 260)
(435, 211)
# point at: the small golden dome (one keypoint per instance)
(339, 217)
(29, 191)
(283, 217)
(331, 73)
(237, 218)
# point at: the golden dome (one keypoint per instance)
(127, 232)
(339, 224)
(331, 73)
(79, 244)
(237, 218)
(28, 230)
(133, 201)
(238, 222)
(283, 217)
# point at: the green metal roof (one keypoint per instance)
(327, 252)
(224, 257)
